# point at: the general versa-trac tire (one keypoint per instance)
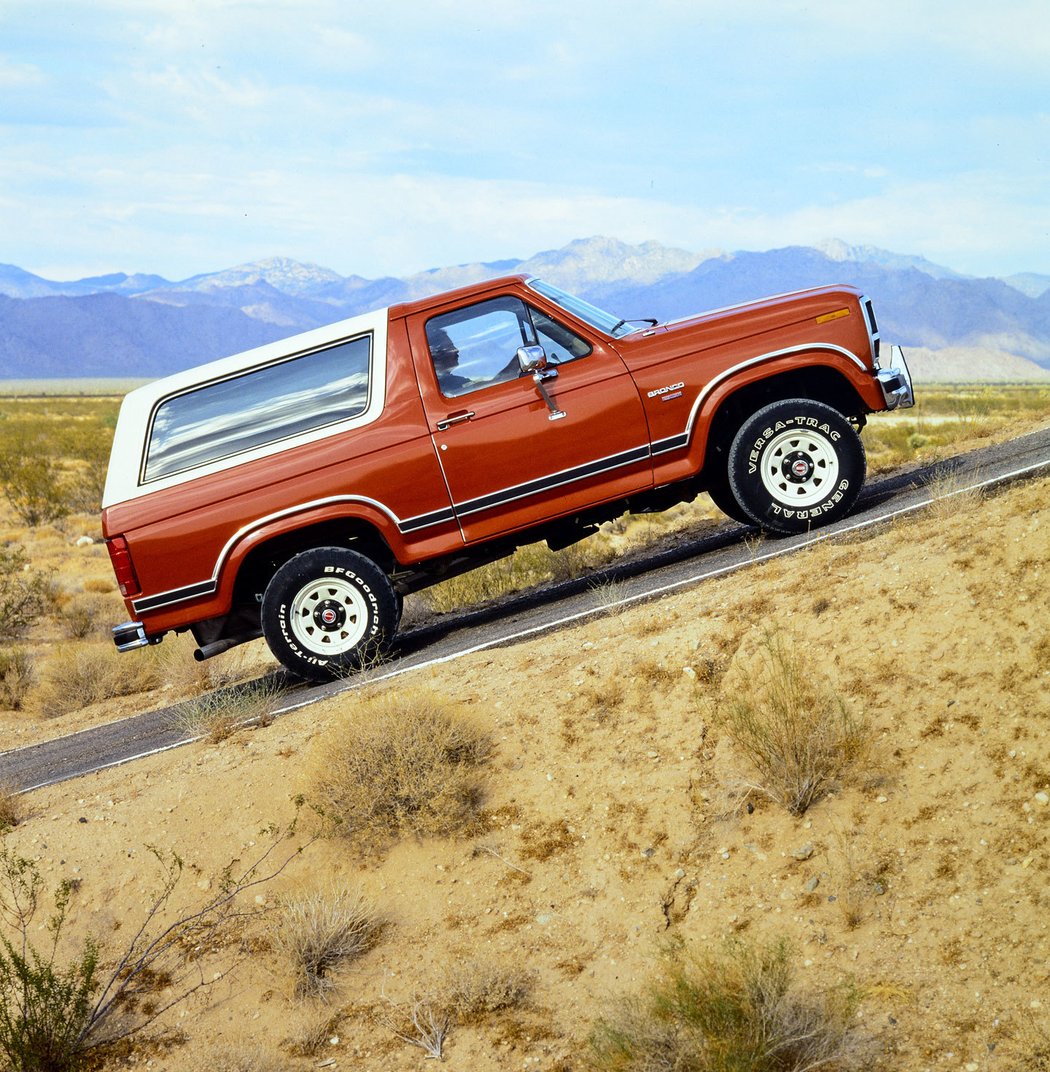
(796, 465)
(326, 610)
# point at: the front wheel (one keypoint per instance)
(796, 465)
(326, 611)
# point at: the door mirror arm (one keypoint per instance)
(534, 359)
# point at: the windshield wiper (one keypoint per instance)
(633, 320)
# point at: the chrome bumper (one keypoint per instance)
(895, 381)
(131, 635)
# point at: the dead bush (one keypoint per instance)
(216, 715)
(475, 989)
(400, 764)
(17, 677)
(738, 1008)
(319, 931)
(83, 674)
(10, 809)
(795, 730)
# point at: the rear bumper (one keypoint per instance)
(131, 635)
(895, 381)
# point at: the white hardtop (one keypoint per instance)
(124, 477)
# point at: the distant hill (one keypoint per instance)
(145, 325)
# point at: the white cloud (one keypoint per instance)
(19, 75)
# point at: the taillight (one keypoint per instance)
(120, 556)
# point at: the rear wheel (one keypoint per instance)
(326, 611)
(796, 465)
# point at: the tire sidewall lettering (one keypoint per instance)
(749, 448)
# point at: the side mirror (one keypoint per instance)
(532, 358)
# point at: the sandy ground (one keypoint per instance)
(614, 820)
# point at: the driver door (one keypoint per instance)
(509, 458)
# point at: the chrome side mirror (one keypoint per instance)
(532, 358)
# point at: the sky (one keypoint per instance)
(186, 136)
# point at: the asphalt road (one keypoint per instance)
(683, 563)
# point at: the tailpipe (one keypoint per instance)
(217, 647)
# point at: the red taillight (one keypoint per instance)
(120, 556)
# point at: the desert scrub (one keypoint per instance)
(25, 593)
(318, 931)
(10, 809)
(738, 1009)
(400, 763)
(17, 677)
(63, 1002)
(82, 674)
(475, 989)
(216, 715)
(797, 733)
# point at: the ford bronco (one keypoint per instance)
(300, 490)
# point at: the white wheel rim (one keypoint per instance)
(799, 468)
(330, 617)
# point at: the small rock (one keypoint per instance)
(85, 541)
(1042, 798)
(804, 852)
(689, 672)
(813, 883)
(649, 852)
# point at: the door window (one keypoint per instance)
(477, 347)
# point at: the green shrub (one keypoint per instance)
(45, 1005)
(59, 1011)
(736, 1010)
(34, 485)
(24, 593)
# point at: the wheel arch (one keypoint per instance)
(729, 406)
(259, 554)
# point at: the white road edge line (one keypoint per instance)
(590, 612)
(816, 538)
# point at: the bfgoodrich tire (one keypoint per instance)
(327, 610)
(796, 465)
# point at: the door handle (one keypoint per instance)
(454, 418)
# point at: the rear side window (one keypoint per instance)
(259, 407)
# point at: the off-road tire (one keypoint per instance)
(722, 496)
(796, 465)
(327, 611)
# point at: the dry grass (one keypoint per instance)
(952, 494)
(84, 674)
(400, 764)
(319, 931)
(476, 989)
(797, 733)
(216, 715)
(738, 1010)
(17, 677)
(10, 809)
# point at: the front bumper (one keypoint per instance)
(895, 381)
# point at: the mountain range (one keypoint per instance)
(146, 326)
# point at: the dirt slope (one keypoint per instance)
(615, 818)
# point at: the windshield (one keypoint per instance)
(589, 314)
